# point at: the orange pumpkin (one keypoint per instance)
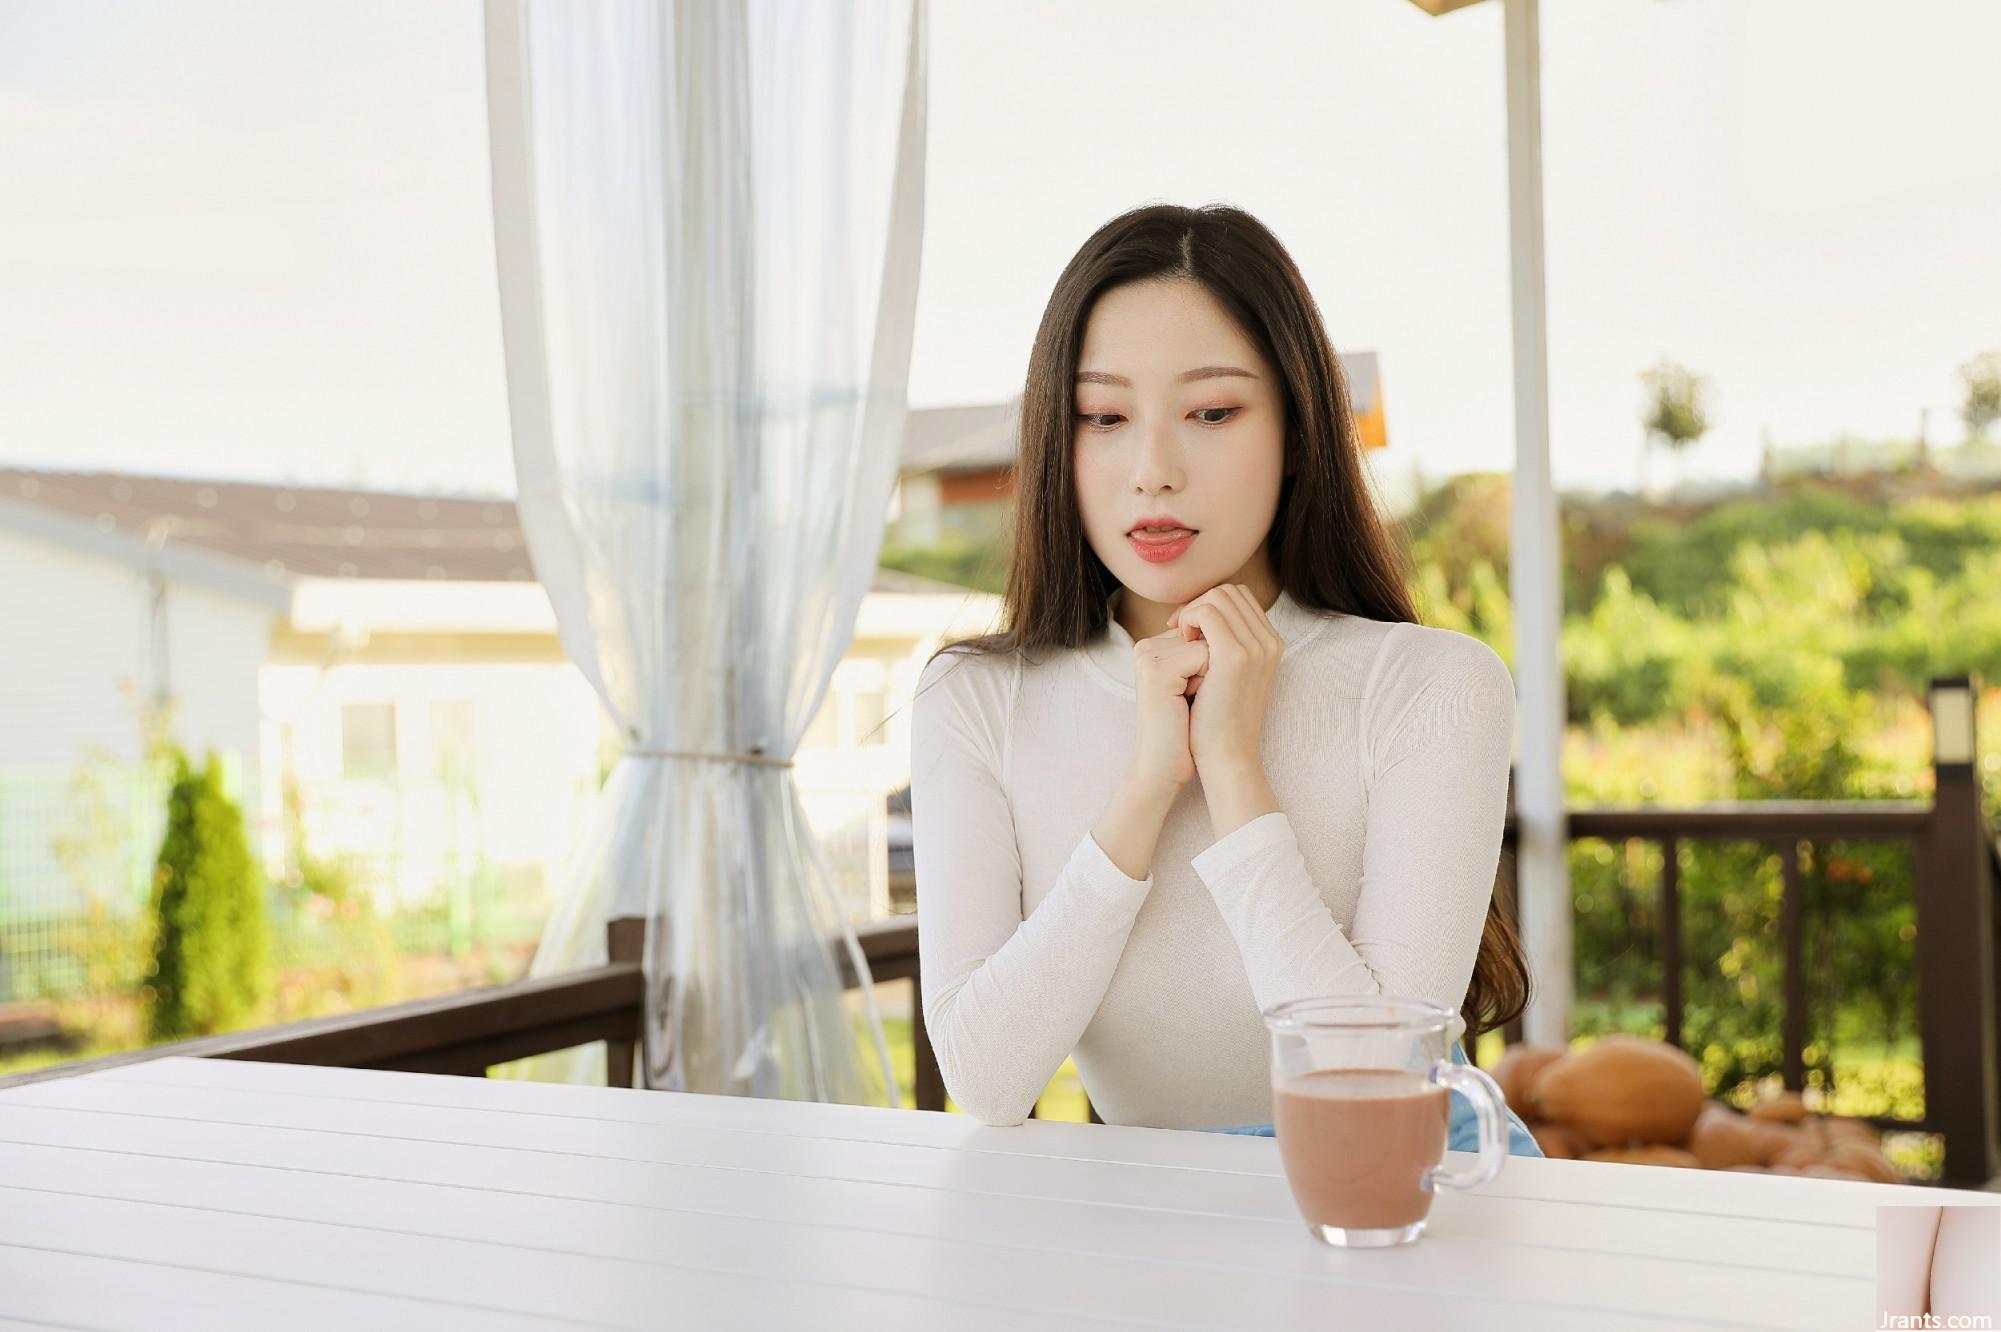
(1865, 1160)
(1519, 1067)
(1799, 1156)
(1622, 1090)
(1838, 1127)
(1819, 1170)
(1723, 1138)
(1785, 1108)
(1777, 1139)
(1559, 1141)
(1656, 1153)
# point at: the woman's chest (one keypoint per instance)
(1068, 753)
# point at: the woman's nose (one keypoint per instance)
(1158, 464)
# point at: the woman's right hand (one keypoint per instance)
(1167, 670)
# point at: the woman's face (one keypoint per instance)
(1176, 414)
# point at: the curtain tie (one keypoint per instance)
(726, 757)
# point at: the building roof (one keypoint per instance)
(308, 531)
(971, 438)
(284, 531)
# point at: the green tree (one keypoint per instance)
(1676, 411)
(1982, 408)
(332, 945)
(968, 561)
(211, 959)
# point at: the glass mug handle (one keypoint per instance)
(1473, 1082)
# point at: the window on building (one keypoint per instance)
(368, 741)
(824, 730)
(858, 683)
(869, 711)
(454, 736)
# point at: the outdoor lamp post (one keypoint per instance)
(1953, 888)
(1952, 721)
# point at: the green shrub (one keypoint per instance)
(211, 967)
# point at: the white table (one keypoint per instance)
(211, 1194)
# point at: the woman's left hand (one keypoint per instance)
(1226, 719)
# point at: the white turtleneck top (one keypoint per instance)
(1388, 747)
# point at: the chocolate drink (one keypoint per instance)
(1357, 1141)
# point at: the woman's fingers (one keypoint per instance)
(1183, 660)
(1236, 609)
(1193, 681)
(1255, 619)
(1217, 622)
(1191, 658)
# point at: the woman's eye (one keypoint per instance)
(1103, 420)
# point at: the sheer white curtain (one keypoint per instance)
(707, 218)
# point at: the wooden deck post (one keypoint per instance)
(930, 1088)
(1953, 873)
(625, 941)
(889, 945)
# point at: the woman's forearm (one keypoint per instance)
(1129, 829)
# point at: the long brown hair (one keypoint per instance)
(1328, 543)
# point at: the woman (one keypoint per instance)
(1213, 762)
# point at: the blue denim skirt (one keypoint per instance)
(1462, 1136)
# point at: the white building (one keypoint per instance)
(392, 653)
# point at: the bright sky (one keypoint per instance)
(253, 238)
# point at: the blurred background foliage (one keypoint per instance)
(1775, 644)
(1771, 646)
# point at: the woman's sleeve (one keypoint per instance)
(1436, 812)
(1005, 999)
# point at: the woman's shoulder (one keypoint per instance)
(1427, 650)
(961, 671)
(1419, 666)
(972, 689)
(1371, 658)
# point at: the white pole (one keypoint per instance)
(1541, 867)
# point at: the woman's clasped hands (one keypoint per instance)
(1204, 686)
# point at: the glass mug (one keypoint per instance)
(1361, 1105)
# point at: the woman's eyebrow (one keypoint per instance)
(1186, 377)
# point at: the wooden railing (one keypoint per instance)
(464, 1032)
(469, 1031)
(1783, 824)
(1956, 870)
(888, 946)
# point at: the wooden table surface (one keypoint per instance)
(198, 1193)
